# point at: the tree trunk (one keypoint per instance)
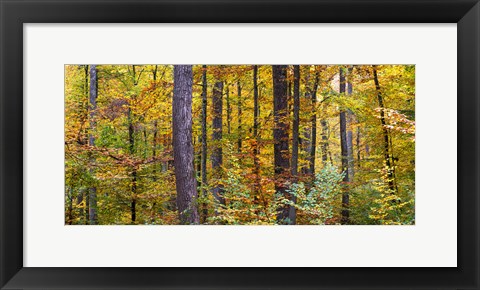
(87, 207)
(306, 140)
(344, 153)
(69, 219)
(256, 150)
(154, 148)
(92, 210)
(229, 110)
(155, 132)
(386, 137)
(217, 152)
(131, 148)
(358, 148)
(296, 118)
(239, 117)
(81, 212)
(280, 137)
(295, 134)
(313, 145)
(324, 147)
(204, 142)
(350, 120)
(182, 145)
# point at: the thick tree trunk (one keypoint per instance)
(239, 117)
(217, 152)
(295, 134)
(280, 137)
(388, 161)
(182, 145)
(92, 211)
(344, 153)
(204, 142)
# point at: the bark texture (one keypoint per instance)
(350, 120)
(92, 194)
(386, 137)
(256, 148)
(182, 145)
(217, 151)
(204, 141)
(313, 145)
(295, 135)
(239, 117)
(344, 153)
(280, 137)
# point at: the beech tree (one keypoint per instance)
(344, 152)
(92, 197)
(217, 135)
(388, 157)
(204, 140)
(280, 136)
(182, 145)
(164, 144)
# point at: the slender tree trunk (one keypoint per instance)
(239, 117)
(155, 132)
(313, 145)
(324, 147)
(131, 148)
(344, 153)
(204, 142)
(358, 148)
(154, 148)
(229, 110)
(295, 134)
(87, 207)
(391, 185)
(69, 219)
(145, 142)
(198, 163)
(256, 150)
(217, 152)
(306, 141)
(280, 137)
(92, 211)
(182, 145)
(350, 119)
(296, 118)
(81, 212)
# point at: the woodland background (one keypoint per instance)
(239, 144)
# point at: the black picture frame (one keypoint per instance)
(466, 13)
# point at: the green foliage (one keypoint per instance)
(315, 204)
(137, 101)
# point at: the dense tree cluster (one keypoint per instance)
(239, 144)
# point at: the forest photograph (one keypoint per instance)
(239, 144)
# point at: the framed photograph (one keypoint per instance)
(238, 144)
